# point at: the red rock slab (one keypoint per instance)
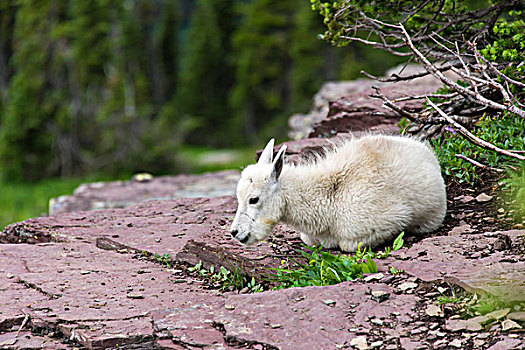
(14, 296)
(506, 281)
(296, 318)
(150, 220)
(187, 229)
(190, 325)
(111, 333)
(349, 114)
(28, 341)
(122, 194)
(507, 343)
(457, 259)
(98, 298)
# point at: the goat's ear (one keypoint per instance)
(267, 154)
(278, 163)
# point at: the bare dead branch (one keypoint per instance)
(416, 10)
(26, 318)
(392, 105)
(377, 45)
(478, 164)
(422, 97)
(464, 91)
(473, 138)
(396, 77)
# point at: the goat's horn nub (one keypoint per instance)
(267, 155)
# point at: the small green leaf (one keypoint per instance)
(398, 242)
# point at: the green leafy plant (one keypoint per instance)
(164, 259)
(321, 268)
(227, 279)
(398, 242)
(395, 271)
(514, 193)
(509, 43)
(454, 298)
(253, 286)
(505, 132)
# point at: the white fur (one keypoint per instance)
(366, 190)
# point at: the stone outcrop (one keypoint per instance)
(92, 279)
(122, 194)
(347, 106)
(472, 262)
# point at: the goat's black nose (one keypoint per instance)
(234, 232)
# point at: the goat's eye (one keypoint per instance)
(253, 200)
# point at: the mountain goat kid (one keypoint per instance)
(366, 190)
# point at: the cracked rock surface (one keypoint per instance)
(88, 280)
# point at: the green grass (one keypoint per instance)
(486, 304)
(195, 160)
(22, 201)
(454, 298)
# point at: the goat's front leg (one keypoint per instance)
(325, 241)
(349, 246)
(308, 240)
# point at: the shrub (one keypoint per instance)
(506, 132)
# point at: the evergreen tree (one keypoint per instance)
(165, 47)
(261, 95)
(34, 98)
(84, 35)
(7, 21)
(309, 57)
(206, 74)
(130, 132)
(91, 78)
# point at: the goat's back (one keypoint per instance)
(390, 183)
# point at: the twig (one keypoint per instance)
(478, 164)
(26, 318)
(394, 77)
(416, 10)
(507, 94)
(429, 132)
(421, 97)
(391, 105)
(474, 139)
(377, 45)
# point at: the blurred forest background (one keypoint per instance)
(115, 87)
(101, 89)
